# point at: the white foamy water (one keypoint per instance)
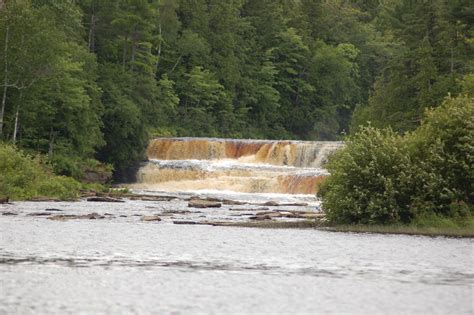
(246, 166)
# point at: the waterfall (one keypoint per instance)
(250, 166)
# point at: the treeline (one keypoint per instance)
(91, 79)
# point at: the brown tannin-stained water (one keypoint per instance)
(247, 166)
(58, 258)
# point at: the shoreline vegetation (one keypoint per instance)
(453, 231)
(424, 178)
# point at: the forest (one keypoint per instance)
(87, 83)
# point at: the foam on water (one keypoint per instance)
(244, 166)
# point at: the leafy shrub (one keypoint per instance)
(365, 184)
(381, 177)
(25, 177)
(81, 169)
(442, 150)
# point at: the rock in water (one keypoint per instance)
(151, 218)
(39, 214)
(185, 222)
(261, 217)
(104, 199)
(92, 216)
(64, 217)
(200, 203)
(233, 202)
(271, 203)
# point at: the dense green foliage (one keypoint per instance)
(26, 177)
(383, 177)
(93, 79)
(431, 50)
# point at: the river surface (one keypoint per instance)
(122, 265)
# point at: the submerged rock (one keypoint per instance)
(271, 214)
(185, 222)
(249, 209)
(261, 217)
(152, 198)
(104, 199)
(9, 213)
(171, 212)
(271, 203)
(202, 203)
(233, 202)
(64, 217)
(216, 223)
(92, 216)
(295, 204)
(151, 218)
(38, 214)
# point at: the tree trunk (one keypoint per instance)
(5, 80)
(92, 34)
(134, 39)
(51, 143)
(16, 124)
(124, 52)
(177, 62)
(159, 50)
(17, 114)
(452, 60)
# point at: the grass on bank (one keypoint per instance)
(429, 226)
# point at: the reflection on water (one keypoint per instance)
(123, 265)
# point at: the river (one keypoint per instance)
(117, 263)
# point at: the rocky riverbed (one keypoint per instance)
(181, 208)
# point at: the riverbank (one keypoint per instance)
(458, 232)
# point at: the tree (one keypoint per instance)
(206, 109)
(430, 56)
(54, 77)
(124, 132)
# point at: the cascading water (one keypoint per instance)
(247, 166)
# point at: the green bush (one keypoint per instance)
(78, 168)
(26, 177)
(365, 185)
(442, 150)
(380, 177)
